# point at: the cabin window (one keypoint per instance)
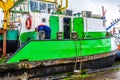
(33, 6)
(50, 8)
(42, 7)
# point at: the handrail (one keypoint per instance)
(63, 8)
(112, 24)
(51, 1)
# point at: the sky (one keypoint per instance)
(111, 6)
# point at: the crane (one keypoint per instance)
(6, 5)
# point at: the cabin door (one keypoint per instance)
(54, 25)
(67, 27)
(79, 26)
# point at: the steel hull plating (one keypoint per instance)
(45, 68)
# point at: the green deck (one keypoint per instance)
(60, 49)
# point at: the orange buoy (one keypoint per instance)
(28, 23)
(118, 47)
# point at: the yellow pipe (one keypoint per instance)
(51, 1)
(5, 20)
(6, 7)
(8, 18)
(64, 8)
(61, 4)
(1, 5)
(56, 1)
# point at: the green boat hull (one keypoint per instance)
(41, 50)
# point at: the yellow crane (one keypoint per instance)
(6, 5)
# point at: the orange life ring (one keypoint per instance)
(28, 23)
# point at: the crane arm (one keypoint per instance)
(1, 4)
(6, 7)
(64, 8)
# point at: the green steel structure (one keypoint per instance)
(79, 26)
(61, 49)
(54, 25)
(38, 50)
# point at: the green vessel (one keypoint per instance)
(74, 40)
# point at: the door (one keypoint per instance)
(67, 27)
(78, 26)
(54, 25)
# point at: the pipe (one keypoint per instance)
(51, 1)
(1, 5)
(60, 4)
(6, 7)
(56, 1)
(64, 8)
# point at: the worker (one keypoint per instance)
(46, 29)
(39, 35)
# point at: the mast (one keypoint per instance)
(103, 16)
